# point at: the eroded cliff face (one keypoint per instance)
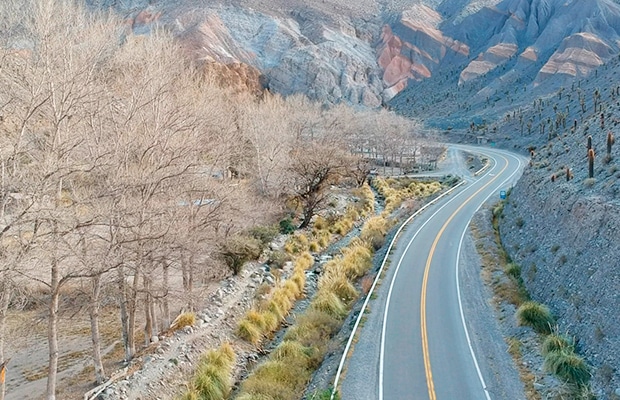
(369, 53)
(331, 61)
(414, 48)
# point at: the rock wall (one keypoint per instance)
(566, 241)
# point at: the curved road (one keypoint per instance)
(415, 344)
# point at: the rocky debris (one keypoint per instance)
(163, 369)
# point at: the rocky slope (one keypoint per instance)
(368, 52)
(564, 232)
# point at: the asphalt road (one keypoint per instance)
(415, 344)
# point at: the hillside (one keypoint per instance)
(535, 76)
(524, 74)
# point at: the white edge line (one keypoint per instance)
(458, 286)
(372, 288)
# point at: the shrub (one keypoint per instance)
(286, 226)
(299, 279)
(513, 270)
(265, 234)
(296, 244)
(567, 366)
(278, 258)
(276, 379)
(325, 394)
(271, 321)
(320, 223)
(356, 259)
(256, 319)
(291, 289)
(238, 250)
(183, 320)
(536, 316)
(304, 261)
(314, 247)
(555, 342)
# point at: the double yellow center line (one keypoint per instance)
(427, 360)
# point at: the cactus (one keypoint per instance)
(591, 163)
(610, 142)
(589, 143)
(553, 178)
(569, 174)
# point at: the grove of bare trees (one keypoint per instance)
(124, 167)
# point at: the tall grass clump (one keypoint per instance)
(555, 342)
(183, 320)
(567, 366)
(263, 319)
(338, 284)
(356, 259)
(212, 378)
(535, 315)
(329, 303)
(367, 198)
(375, 230)
(313, 328)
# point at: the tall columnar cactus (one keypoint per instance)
(610, 142)
(591, 163)
(569, 174)
(589, 143)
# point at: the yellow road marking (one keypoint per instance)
(427, 360)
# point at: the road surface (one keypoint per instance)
(415, 344)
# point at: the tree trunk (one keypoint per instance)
(132, 303)
(94, 330)
(52, 329)
(4, 307)
(122, 285)
(166, 307)
(190, 282)
(148, 326)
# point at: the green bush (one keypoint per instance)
(536, 316)
(325, 394)
(286, 226)
(567, 366)
(514, 270)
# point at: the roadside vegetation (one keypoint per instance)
(557, 350)
(287, 370)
